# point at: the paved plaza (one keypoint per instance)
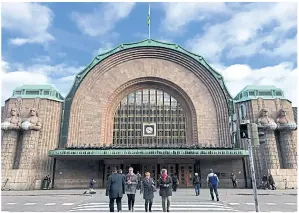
(231, 200)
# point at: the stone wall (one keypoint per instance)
(77, 173)
(24, 176)
(225, 167)
(283, 177)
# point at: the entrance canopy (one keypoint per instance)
(154, 153)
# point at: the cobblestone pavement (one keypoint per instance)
(184, 200)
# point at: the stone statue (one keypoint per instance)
(33, 122)
(12, 123)
(283, 122)
(265, 121)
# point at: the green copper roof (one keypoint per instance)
(259, 91)
(150, 43)
(37, 91)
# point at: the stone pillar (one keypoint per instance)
(29, 150)
(8, 148)
(288, 149)
(270, 151)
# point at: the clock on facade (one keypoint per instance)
(149, 129)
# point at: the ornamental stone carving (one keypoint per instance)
(283, 122)
(33, 122)
(12, 123)
(265, 122)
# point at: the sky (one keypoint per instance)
(248, 43)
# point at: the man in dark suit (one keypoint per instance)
(115, 189)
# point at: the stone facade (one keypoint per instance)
(26, 152)
(277, 153)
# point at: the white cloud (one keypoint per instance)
(42, 58)
(178, 15)
(13, 75)
(252, 28)
(102, 20)
(31, 20)
(282, 75)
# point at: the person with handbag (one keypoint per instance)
(165, 184)
(147, 189)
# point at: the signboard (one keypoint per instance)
(153, 152)
(149, 129)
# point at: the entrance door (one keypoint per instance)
(186, 172)
(108, 171)
(151, 168)
(170, 168)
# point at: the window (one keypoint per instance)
(36, 92)
(265, 93)
(149, 105)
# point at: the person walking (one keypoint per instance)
(115, 189)
(175, 182)
(131, 186)
(196, 184)
(165, 184)
(139, 180)
(233, 177)
(147, 189)
(213, 181)
(120, 171)
(91, 186)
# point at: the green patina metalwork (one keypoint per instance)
(259, 91)
(147, 152)
(145, 43)
(37, 91)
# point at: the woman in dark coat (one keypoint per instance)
(165, 183)
(147, 189)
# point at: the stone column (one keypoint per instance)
(288, 146)
(8, 148)
(29, 150)
(270, 151)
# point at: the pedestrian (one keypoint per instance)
(213, 181)
(233, 177)
(271, 182)
(147, 189)
(120, 171)
(165, 184)
(175, 182)
(196, 184)
(115, 189)
(139, 180)
(48, 181)
(131, 186)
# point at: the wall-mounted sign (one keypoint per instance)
(149, 129)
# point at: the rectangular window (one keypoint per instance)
(32, 92)
(265, 93)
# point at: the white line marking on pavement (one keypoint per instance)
(249, 203)
(67, 204)
(271, 204)
(142, 206)
(10, 203)
(234, 204)
(155, 209)
(29, 204)
(159, 204)
(50, 204)
(291, 203)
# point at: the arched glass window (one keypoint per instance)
(149, 108)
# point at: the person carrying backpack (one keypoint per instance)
(212, 180)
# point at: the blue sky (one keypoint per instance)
(248, 43)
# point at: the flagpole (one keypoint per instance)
(149, 21)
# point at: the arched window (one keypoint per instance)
(149, 117)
